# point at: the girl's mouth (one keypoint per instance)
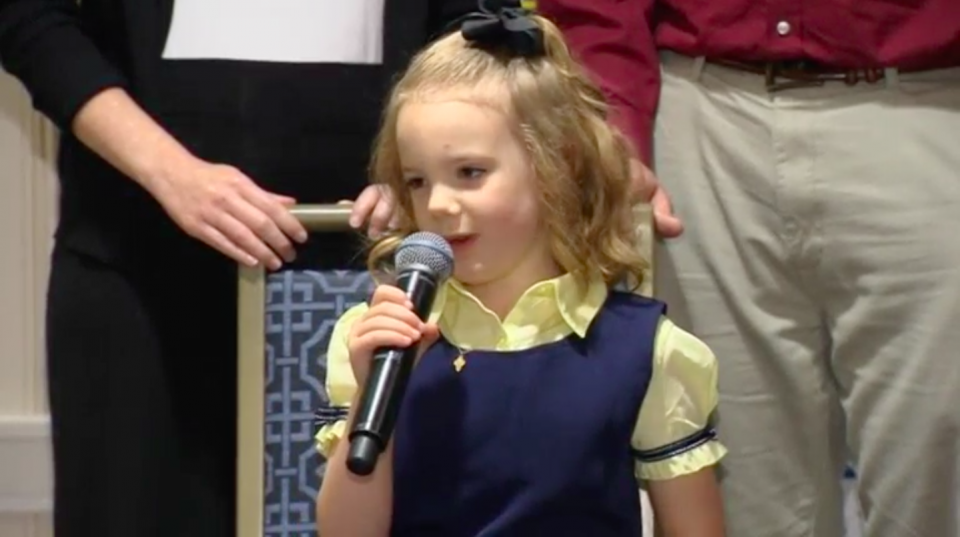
(461, 242)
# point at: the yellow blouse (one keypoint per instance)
(680, 397)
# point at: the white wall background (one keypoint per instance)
(27, 213)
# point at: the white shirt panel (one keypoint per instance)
(298, 31)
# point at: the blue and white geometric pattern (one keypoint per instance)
(301, 310)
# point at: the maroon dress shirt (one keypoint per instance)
(618, 40)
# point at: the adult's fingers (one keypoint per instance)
(241, 235)
(382, 213)
(276, 209)
(263, 226)
(667, 224)
(213, 237)
(364, 205)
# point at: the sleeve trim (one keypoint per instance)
(328, 415)
(679, 447)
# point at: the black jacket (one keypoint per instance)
(298, 129)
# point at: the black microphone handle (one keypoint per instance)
(386, 382)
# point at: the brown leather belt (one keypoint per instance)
(789, 74)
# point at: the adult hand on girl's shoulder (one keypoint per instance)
(647, 188)
(388, 322)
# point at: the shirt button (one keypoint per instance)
(783, 27)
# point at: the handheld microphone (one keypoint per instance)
(423, 261)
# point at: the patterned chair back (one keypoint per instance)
(301, 310)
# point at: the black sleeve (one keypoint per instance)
(42, 44)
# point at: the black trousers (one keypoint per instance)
(142, 383)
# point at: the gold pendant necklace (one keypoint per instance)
(461, 360)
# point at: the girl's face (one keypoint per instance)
(471, 181)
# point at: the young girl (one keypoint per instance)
(542, 395)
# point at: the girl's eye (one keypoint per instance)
(471, 172)
(414, 183)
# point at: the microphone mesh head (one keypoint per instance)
(425, 248)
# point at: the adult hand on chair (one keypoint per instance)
(648, 190)
(375, 205)
(222, 207)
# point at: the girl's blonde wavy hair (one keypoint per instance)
(581, 162)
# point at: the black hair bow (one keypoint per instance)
(509, 28)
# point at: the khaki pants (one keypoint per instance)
(821, 262)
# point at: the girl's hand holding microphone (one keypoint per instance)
(390, 322)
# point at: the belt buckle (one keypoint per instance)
(772, 71)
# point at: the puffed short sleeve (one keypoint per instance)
(674, 435)
(340, 384)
